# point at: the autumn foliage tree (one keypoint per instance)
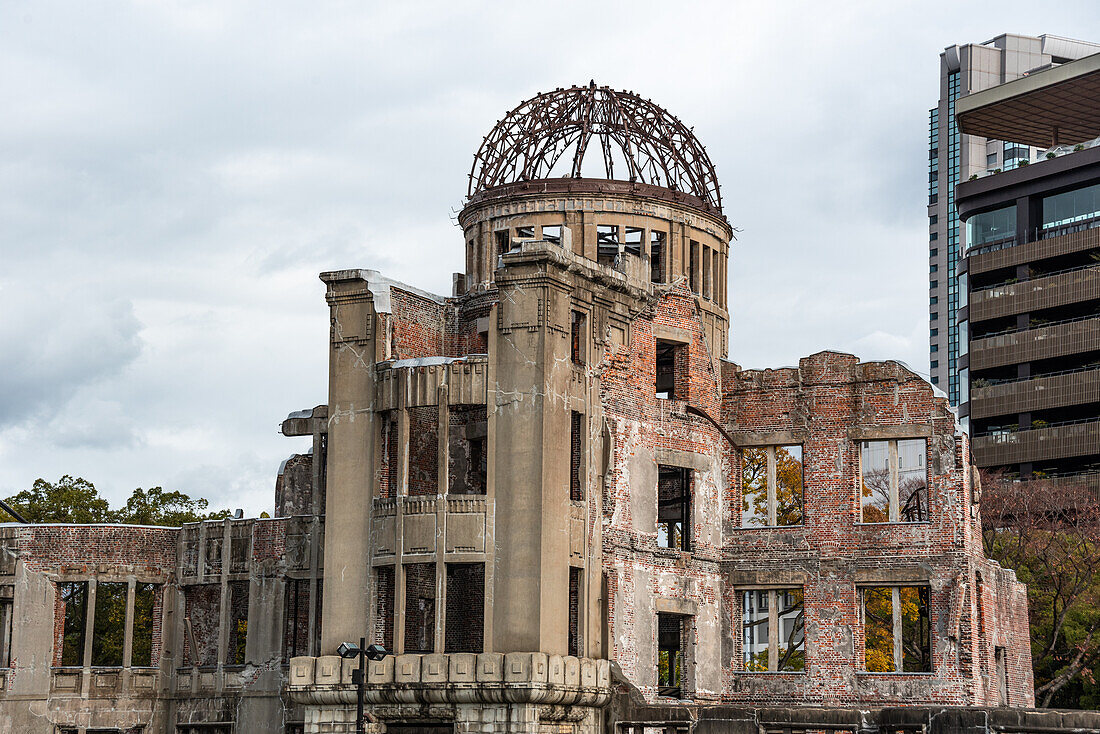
(1049, 533)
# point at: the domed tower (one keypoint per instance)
(610, 177)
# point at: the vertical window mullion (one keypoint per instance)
(898, 655)
(892, 460)
(773, 628)
(771, 486)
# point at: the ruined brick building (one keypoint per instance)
(557, 503)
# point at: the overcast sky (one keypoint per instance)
(173, 177)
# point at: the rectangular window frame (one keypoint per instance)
(675, 513)
(899, 660)
(767, 599)
(895, 511)
(771, 478)
(670, 654)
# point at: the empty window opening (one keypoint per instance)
(384, 606)
(213, 561)
(771, 486)
(525, 233)
(389, 477)
(632, 241)
(607, 244)
(552, 233)
(656, 256)
(576, 445)
(575, 611)
(668, 355)
(773, 630)
(109, 624)
(465, 622)
(145, 610)
(670, 654)
(503, 241)
(708, 280)
(894, 481)
(238, 623)
(240, 548)
(719, 294)
(6, 594)
(1002, 675)
(423, 450)
(466, 435)
(202, 610)
(419, 607)
(693, 269)
(577, 337)
(74, 605)
(896, 629)
(296, 619)
(674, 507)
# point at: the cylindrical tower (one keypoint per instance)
(647, 205)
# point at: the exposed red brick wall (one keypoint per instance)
(269, 539)
(419, 607)
(202, 605)
(296, 619)
(423, 450)
(825, 396)
(465, 620)
(383, 617)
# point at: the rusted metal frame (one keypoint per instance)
(586, 132)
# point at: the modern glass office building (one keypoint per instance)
(955, 156)
(1029, 332)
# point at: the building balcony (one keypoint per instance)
(1021, 254)
(1038, 444)
(1037, 393)
(1048, 291)
(1029, 345)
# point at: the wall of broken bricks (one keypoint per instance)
(236, 603)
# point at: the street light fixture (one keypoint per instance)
(349, 650)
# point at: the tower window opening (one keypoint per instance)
(632, 242)
(693, 269)
(525, 233)
(607, 244)
(656, 256)
(552, 233)
(504, 241)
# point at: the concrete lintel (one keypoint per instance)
(770, 438)
(671, 334)
(873, 433)
(893, 576)
(685, 607)
(778, 578)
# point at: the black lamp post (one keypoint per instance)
(348, 650)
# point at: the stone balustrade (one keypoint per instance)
(456, 678)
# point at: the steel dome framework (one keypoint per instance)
(544, 134)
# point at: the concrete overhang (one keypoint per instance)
(1049, 107)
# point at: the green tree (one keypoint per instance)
(77, 501)
(157, 507)
(67, 500)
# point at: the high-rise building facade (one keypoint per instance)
(955, 156)
(1030, 375)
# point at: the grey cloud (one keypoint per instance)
(56, 338)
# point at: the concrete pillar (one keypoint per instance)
(351, 437)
